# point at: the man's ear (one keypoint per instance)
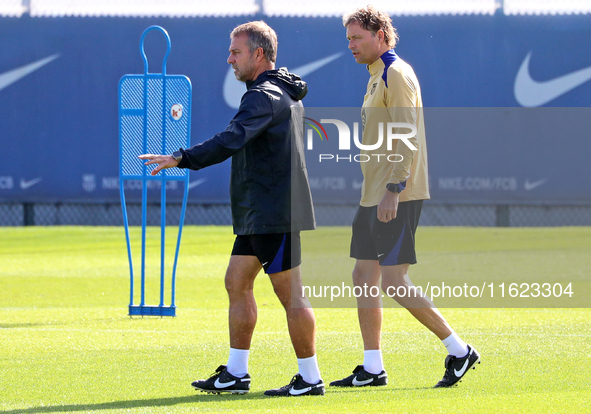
(259, 53)
(380, 35)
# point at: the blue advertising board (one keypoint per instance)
(58, 102)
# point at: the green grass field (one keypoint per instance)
(67, 344)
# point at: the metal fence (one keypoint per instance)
(433, 214)
(224, 8)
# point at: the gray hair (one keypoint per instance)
(260, 34)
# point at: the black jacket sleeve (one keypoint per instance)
(254, 117)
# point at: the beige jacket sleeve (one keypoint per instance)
(401, 100)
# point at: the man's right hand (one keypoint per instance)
(388, 207)
(163, 161)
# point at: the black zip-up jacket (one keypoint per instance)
(269, 187)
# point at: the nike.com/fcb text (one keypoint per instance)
(442, 290)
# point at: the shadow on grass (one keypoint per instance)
(153, 402)
(24, 325)
(379, 389)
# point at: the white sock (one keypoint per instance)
(455, 346)
(309, 369)
(372, 361)
(238, 362)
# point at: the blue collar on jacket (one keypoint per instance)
(388, 58)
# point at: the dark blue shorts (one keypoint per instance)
(277, 252)
(390, 243)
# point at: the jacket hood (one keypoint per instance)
(292, 83)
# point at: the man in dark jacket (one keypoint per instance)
(271, 204)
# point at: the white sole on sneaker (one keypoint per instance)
(239, 392)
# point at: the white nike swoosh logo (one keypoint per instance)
(461, 372)
(10, 77)
(293, 391)
(380, 255)
(197, 182)
(234, 89)
(219, 384)
(31, 183)
(529, 92)
(360, 383)
(264, 263)
(530, 186)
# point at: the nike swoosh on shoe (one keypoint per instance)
(358, 383)
(219, 384)
(465, 366)
(293, 391)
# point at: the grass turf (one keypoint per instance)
(68, 346)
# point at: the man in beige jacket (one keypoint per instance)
(395, 183)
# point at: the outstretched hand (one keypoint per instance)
(163, 161)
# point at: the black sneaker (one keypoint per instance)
(456, 368)
(297, 387)
(362, 378)
(223, 381)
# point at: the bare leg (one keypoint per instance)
(421, 308)
(300, 316)
(242, 315)
(369, 309)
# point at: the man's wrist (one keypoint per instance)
(394, 188)
(177, 156)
